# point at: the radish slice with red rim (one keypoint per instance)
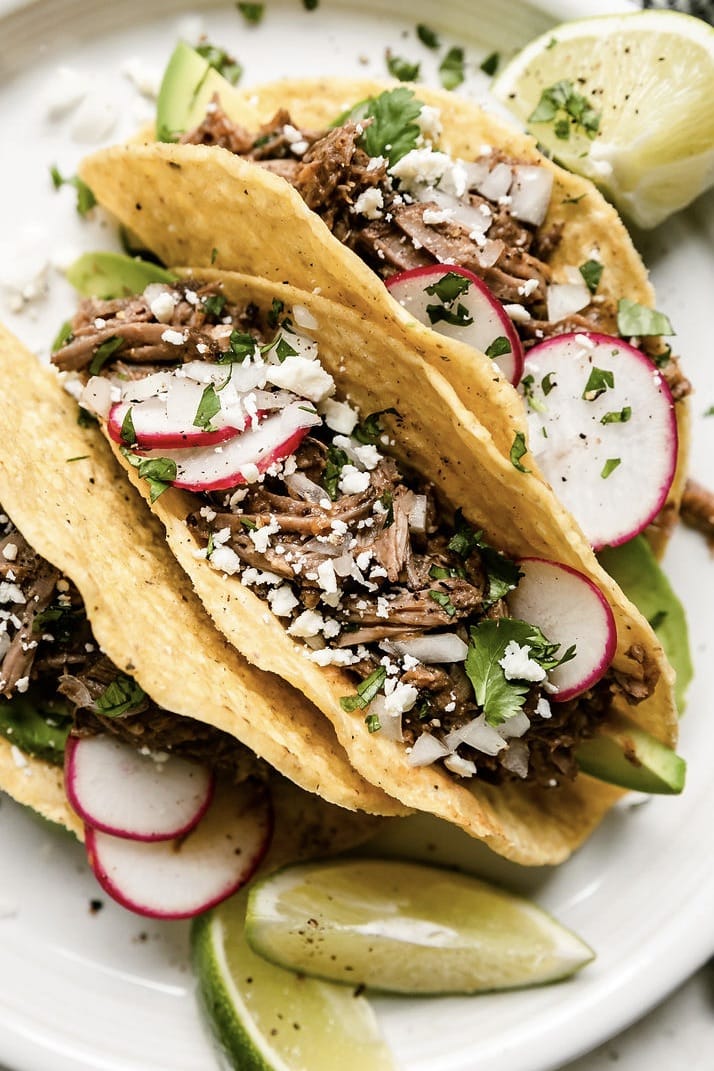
(153, 427)
(461, 306)
(220, 467)
(181, 878)
(568, 609)
(116, 788)
(603, 429)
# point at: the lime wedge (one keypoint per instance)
(625, 100)
(405, 928)
(268, 1019)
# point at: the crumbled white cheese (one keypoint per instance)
(225, 560)
(303, 376)
(282, 601)
(9, 552)
(429, 122)
(329, 656)
(260, 537)
(326, 576)
(369, 203)
(431, 215)
(462, 767)
(401, 699)
(352, 481)
(22, 684)
(207, 513)
(174, 338)
(250, 473)
(255, 576)
(543, 708)
(163, 305)
(382, 607)
(527, 288)
(331, 628)
(517, 665)
(10, 592)
(421, 167)
(517, 313)
(309, 623)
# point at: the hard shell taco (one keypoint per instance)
(352, 527)
(477, 234)
(73, 516)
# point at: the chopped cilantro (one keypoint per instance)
(85, 198)
(159, 472)
(214, 255)
(465, 539)
(499, 697)
(127, 433)
(241, 346)
(490, 65)
(563, 106)
(252, 13)
(373, 723)
(447, 289)
(658, 619)
(591, 272)
(209, 405)
(336, 460)
(79, 457)
(387, 502)
(276, 311)
(620, 416)
(499, 347)
(518, 450)
(709, 411)
(609, 467)
(401, 68)
(366, 691)
(393, 131)
(427, 36)
(59, 619)
(370, 429)
(213, 306)
(221, 61)
(62, 337)
(283, 349)
(119, 697)
(442, 572)
(547, 383)
(247, 523)
(662, 358)
(634, 319)
(459, 317)
(503, 574)
(573, 200)
(451, 68)
(528, 386)
(85, 419)
(103, 353)
(599, 380)
(310, 5)
(442, 599)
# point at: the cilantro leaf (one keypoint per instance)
(489, 66)
(609, 467)
(62, 337)
(427, 36)
(209, 405)
(213, 306)
(499, 698)
(336, 461)
(528, 387)
(503, 573)
(620, 416)
(563, 106)
(103, 353)
(393, 131)
(370, 429)
(241, 347)
(449, 287)
(599, 380)
(252, 13)
(159, 472)
(366, 691)
(119, 697)
(634, 319)
(442, 599)
(221, 61)
(591, 272)
(401, 68)
(458, 317)
(518, 450)
(499, 347)
(85, 198)
(276, 311)
(127, 433)
(451, 68)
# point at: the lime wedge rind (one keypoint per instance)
(404, 928)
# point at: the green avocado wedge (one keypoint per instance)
(639, 574)
(112, 275)
(188, 85)
(627, 756)
(36, 726)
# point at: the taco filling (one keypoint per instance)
(383, 187)
(298, 497)
(53, 672)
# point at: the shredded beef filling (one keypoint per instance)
(49, 651)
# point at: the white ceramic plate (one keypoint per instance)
(107, 990)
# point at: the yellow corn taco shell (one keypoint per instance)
(435, 435)
(274, 235)
(59, 484)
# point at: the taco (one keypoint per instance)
(60, 486)
(351, 527)
(351, 186)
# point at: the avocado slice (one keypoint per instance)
(625, 755)
(188, 85)
(112, 275)
(39, 727)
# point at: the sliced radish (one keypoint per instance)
(153, 427)
(602, 427)
(119, 790)
(569, 609)
(228, 465)
(180, 878)
(489, 326)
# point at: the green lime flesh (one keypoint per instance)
(628, 756)
(406, 928)
(188, 86)
(269, 1019)
(113, 275)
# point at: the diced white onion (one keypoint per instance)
(304, 318)
(301, 485)
(497, 183)
(344, 565)
(245, 377)
(182, 401)
(391, 724)
(97, 396)
(439, 647)
(516, 758)
(417, 514)
(477, 734)
(490, 251)
(530, 193)
(565, 299)
(476, 172)
(462, 767)
(461, 211)
(514, 726)
(427, 749)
